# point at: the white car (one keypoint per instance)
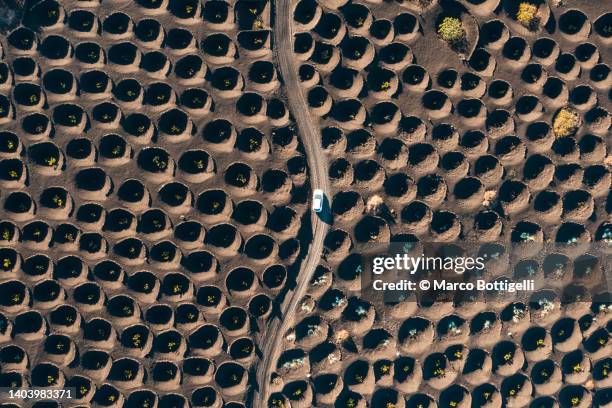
(318, 197)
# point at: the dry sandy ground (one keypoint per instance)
(443, 143)
(152, 194)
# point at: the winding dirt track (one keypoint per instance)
(309, 131)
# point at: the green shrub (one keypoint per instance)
(451, 30)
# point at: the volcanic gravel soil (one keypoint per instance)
(496, 131)
(152, 191)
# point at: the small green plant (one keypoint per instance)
(439, 372)
(241, 179)
(566, 122)
(526, 14)
(58, 201)
(253, 144)
(128, 374)
(10, 146)
(451, 30)
(159, 163)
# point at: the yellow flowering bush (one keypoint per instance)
(526, 13)
(566, 122)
